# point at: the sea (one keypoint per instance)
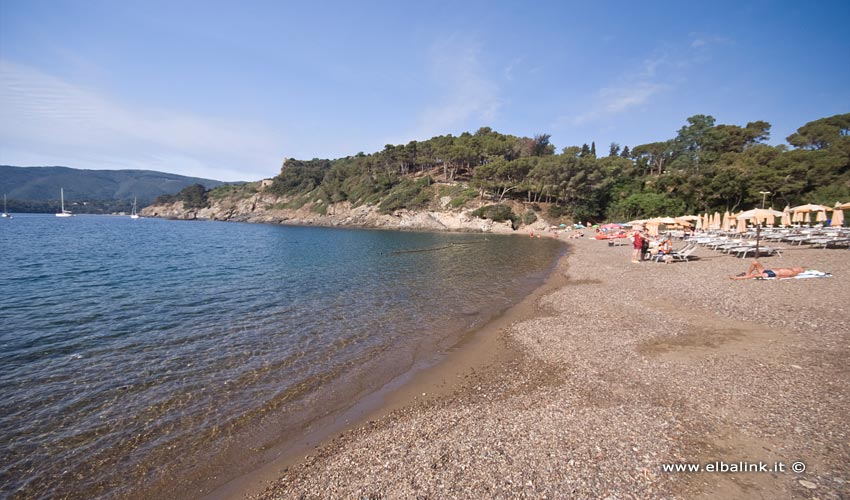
(139, 354)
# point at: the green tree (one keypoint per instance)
(654, 156)
(821, 134)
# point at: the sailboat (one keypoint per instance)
(134, 215)
(63, 213)
(5, 212)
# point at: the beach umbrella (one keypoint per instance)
(757, 215)
(837, 216)
(768, 220)
(844, 206)
(821, 216)
(664, 220)
(727, 221)
(742, 225)
(809, 208)
(786, 216)
(733, 223)
(652, 227)
(806, 210)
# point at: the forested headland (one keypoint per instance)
(706, 167)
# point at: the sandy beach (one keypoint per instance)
(607, 374)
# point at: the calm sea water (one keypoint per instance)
(137, 351)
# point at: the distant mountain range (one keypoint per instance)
(36, 189)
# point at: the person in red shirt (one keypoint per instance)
(637, 244)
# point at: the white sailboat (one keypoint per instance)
(63, 213)
(5, 212)
(134, 215)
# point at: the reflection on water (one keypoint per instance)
(131, 348)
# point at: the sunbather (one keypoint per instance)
(665, 248)
(757, 270)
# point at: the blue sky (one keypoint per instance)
(226, 90)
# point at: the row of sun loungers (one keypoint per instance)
(744, 245)
(738, 247)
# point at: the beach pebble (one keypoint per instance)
(807, 484)
(626, 368)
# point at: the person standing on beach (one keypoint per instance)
(637, 244)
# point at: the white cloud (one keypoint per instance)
(510, 68)
(704, 40)
(465, 91)
(632, 91)
(49, 121)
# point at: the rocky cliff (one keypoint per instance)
(268, 208)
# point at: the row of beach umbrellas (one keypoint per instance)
(759, 216)
(728, 221)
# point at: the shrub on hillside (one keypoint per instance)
(194, 196)
(497, 213)
(408, 194)
(463, 197)
(556, 211)
(529, 217)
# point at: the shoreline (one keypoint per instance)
(475, 351)
(618, 370)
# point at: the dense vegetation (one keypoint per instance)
(85, 207)
(36, 189)
(706, 167)
(43, 183)
(194, 196)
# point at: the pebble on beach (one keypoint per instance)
(624, 369)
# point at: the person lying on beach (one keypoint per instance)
(757, 270)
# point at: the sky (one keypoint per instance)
(228, 90)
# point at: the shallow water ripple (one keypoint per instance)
(124, 340)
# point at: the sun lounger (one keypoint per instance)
(763, 251)
(800, 239)
(682, 255)
(721, 242)
(732, 245)
(839, 242)
(826, 241)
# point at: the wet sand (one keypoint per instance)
(587, 388)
